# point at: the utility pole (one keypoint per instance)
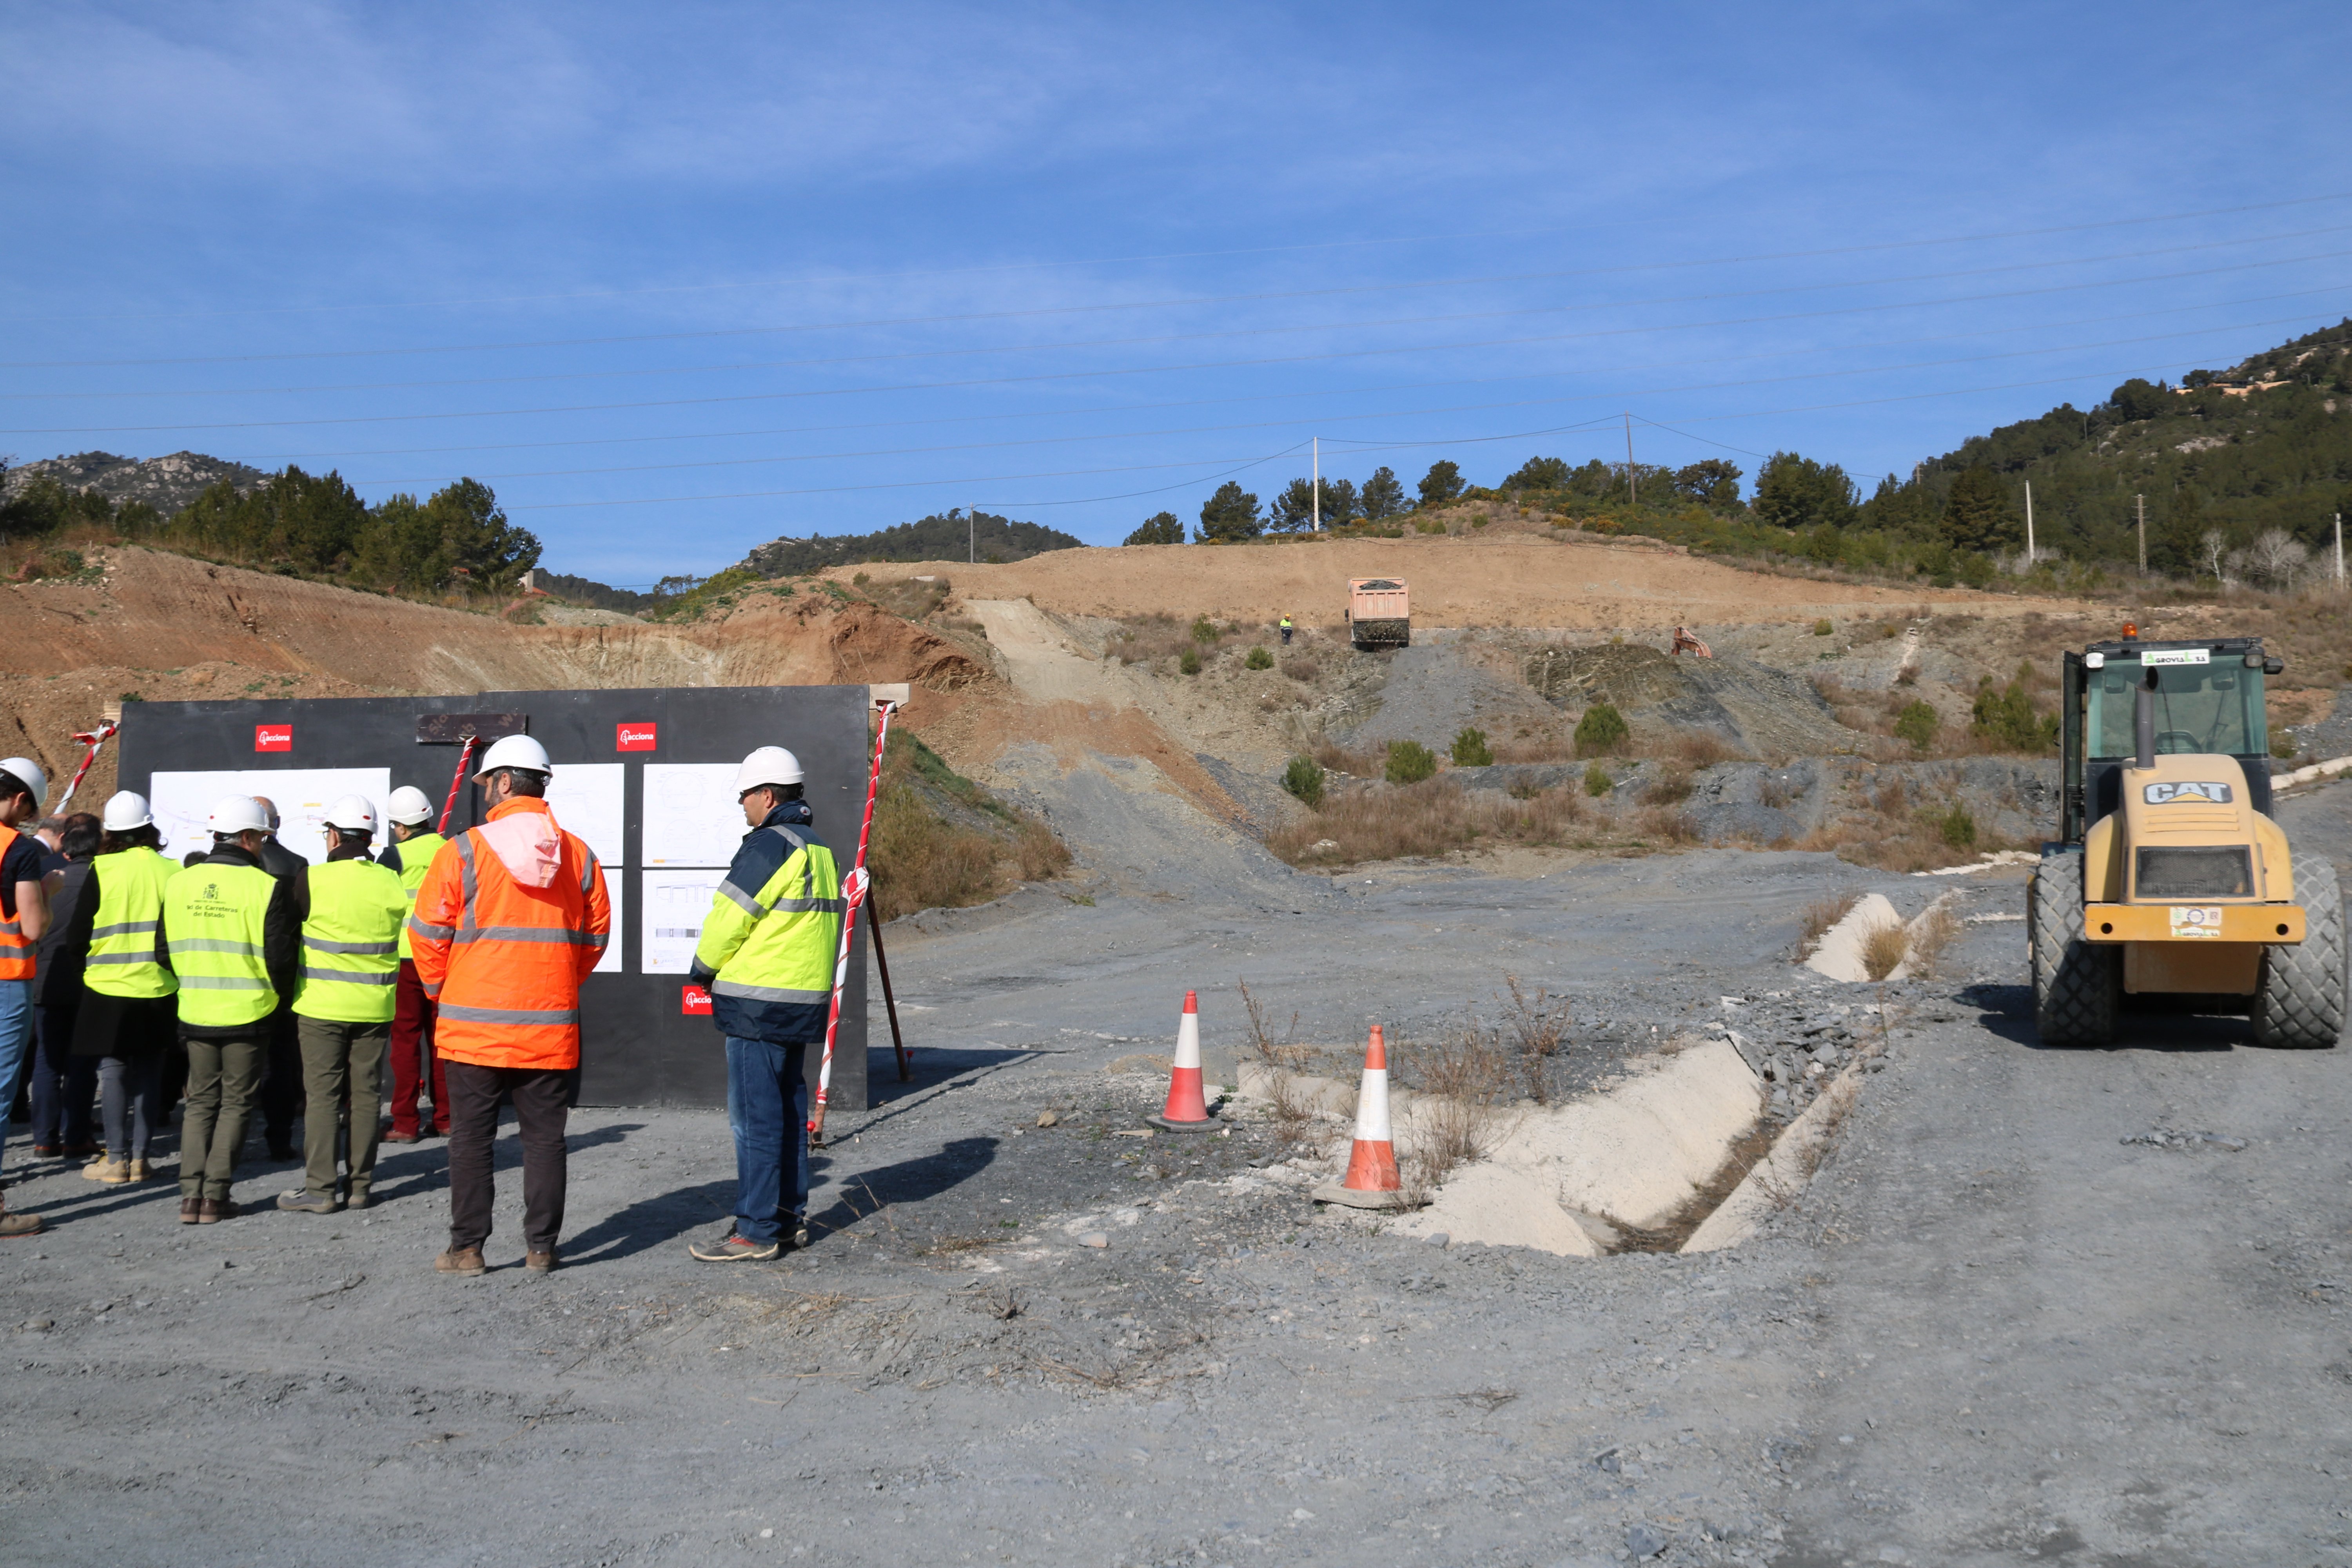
(2141, 503)
(1633, 485)
(972, 535)
(1317, 483)
(2029, 525)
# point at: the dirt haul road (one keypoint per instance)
(1993, 1329)
(1555, 584)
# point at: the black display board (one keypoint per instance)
(637, 1044)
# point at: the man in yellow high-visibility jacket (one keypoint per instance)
(343, 1006)
(766, 953)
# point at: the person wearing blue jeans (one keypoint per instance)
(24, 919)
(766, 953)
(768, 1111)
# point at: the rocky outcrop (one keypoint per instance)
(167, 484)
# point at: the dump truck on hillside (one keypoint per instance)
(2169, 878)
(1379, 614)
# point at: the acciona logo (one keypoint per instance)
(634, 738)
(273, 737)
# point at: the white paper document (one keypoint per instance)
(611, 962)
(585, 798)
(183, 804)
(677, 904)
(691, 814)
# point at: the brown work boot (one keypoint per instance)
(211, 1210)
(466, 1262)
(400, 1138)
(541, 1262)
(191, 1209)
(15, 1225)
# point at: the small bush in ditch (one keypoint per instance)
(1917, 724)
(1470, 749)
(1304, 780)
(1597, 782)
(1189, 661)
(1259, 659)
(1602, 731)
(1823, 628)
(1882, 949)
(1409, 762)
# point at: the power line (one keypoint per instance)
(1248, 397)
(1150, 304)
(902, 354)
(1257, 250)
(1042, 377)
(1144, 434)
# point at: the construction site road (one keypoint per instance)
(2037, 1305)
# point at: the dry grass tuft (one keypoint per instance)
(1459, 1075)
(1931, 935)
(1883, 948)
(1535, 1027)
(1814, 921)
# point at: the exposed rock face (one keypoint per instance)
(167, 484)
(1765, 711)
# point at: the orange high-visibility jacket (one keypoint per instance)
(503, 958)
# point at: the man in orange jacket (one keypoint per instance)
(509, 921)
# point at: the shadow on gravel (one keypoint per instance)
(425, 1167)
(2145, 1024)
(859, 1198)
(650, 1222)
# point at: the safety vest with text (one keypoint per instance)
(351, 943)
(212, 921)
(122, 960)
(15, 948)
(503, 957)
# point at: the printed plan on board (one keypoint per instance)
(183, 804)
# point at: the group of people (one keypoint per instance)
(249, 977)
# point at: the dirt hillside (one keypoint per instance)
(1517, 580)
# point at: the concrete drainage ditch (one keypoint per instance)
(1685, 1151)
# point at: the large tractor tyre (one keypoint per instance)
(2299, 1000)
(2076, 984)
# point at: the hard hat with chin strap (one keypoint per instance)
(767, 765)
(514, 752)
(352, 812)
(236, 814)
(27, 772)
(126, 810)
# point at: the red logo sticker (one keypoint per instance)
(634, 738)
(273, 737)
(694, 1001)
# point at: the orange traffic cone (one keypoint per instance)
(1371, 1182)
(1188, 1111)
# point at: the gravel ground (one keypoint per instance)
(1992, 1332)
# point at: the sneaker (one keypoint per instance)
(395, 1137)
(104, 1169)
(358, 1200)
(800, 1237)
(541, 1262)
(141, 1170)
(302, 1200)
(465, 1261)
(191, 1210)
(15, 1225)
(211, 1210)
(734, 1248)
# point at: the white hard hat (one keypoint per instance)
(514, 752)
(351, 812)
(29, 773)
(767, 765)
(238, 813)
(126, 809)
(409, 807)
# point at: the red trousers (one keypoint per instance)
(413, 1057)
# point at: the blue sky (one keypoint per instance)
(676, 280)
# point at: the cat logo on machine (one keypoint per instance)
(2189, 789)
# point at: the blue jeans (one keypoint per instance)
(768, 1110)
(16, 1038)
